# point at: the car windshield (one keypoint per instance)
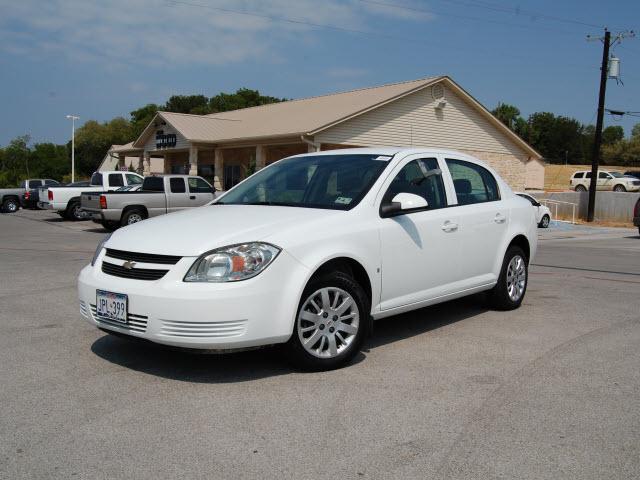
(336, 182)
(616, 174)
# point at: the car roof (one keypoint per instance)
(385, 151)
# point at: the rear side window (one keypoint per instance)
(421, 177)
(133, 179)
(473, 183)
(115, 180)
(177, 185)
(96, 179)
(50, 182)
(153, 184)
(35, 183)
(198, 185)
(579, 175)
(587, 175)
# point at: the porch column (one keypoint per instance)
(146, 164)
(218, 179)
(311, 148)
(121, 159)
(261, 157)
(193, 160)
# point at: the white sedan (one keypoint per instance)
(542, 212)
(310, 250)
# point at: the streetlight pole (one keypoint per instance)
(73, 119)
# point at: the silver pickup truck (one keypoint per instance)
(158, 195)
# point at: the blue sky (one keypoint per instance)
(101, 59)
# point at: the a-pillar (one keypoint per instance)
(218, 179)
(193, 160)
(261, 157)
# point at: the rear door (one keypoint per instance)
(200, 192)
(483, 220)
(177, 196)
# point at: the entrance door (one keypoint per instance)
(232, 176)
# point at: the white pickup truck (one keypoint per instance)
(158, 195)
(66, 200)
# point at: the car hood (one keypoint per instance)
(196, 231)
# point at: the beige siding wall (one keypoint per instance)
(181, 142)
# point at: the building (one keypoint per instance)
(431, 112)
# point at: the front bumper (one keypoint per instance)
(216, 316)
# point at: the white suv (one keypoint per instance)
(309, 250)
(607, 180)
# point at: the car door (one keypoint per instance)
(605, 181)
(177, 196)
(133, 179)
(483, 219)
(418, 248)
(116, 180)
(200, 192)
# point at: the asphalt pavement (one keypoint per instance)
(453, 391)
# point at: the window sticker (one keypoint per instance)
(343, 200)
(383, 158)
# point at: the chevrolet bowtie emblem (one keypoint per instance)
(129, 265)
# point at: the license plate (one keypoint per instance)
(111, 305)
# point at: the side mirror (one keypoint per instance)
(402, 202)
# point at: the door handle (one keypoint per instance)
(499, 218)
(192, 197)
(449, 226)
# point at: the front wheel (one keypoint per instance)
(10, 205)
(509, 292)
(544, 223)
(619, 188)
(331, 323)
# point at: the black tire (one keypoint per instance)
(132, 216)
(544, 222)
(619, 188)
(73, 212)
(294, 349)
(10, 205)
(581, 188)
(109, 226)
(499, 297)
(62, 214)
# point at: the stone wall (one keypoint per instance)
(511, 168)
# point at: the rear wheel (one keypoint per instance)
(581, 188)
(331, 324)
(544, 223)
(10, 205)
(509, 292)
(619, 188)
(74, 213)
(132, 216)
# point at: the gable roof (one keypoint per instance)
(306, 116)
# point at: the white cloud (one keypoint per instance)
(172, 33)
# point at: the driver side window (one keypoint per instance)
(418, 177)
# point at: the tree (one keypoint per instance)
(507, 114)
(94, 139)
(243, 98)
(612, 134)
(15, 160)
(195, 104)
(48, 160)
(558, 139)
(141, 117)
(635, 131)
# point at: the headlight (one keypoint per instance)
(99, 249)
(232, 263)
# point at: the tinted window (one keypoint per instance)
(35, 183)
(198, 185)
(473, 183)
(133, 179)
(51, 182)
(603, 175)
(96, 179)
(587, 175)
(579, 175)
(420, 177)
(115, 180)
(320, 181)
(153, 184)
(177, 185)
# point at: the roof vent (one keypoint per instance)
(437, 92)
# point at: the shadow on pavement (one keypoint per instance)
(190, 366)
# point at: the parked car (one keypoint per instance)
(636, 215)
(12, 198)
(30, 196)
(607, 180)
(307, 251)
(66, 200)
(633, 173)
(543, 214)
(158, 195)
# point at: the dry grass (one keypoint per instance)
(556, 177)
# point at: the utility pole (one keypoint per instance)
(597, 141)
(73, 119)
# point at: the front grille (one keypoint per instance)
(143, 257)
(636, 182)
(176, 328)
(134, 273)
(135, 323)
